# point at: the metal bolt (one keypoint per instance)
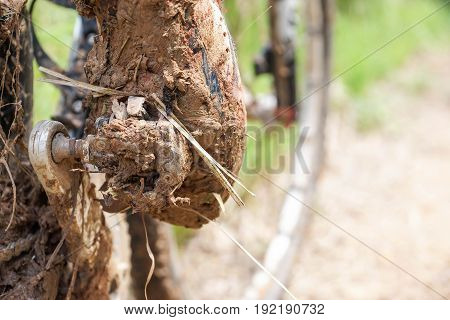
(67, 148)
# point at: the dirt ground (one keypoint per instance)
(389, 187)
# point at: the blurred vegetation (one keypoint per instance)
(54, 27)
(360, 27)
(363, 26)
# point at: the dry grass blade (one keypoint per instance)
(71, 84)
(224, 231)
(220, 201)
(13, 184)
(63, 83)
(215, 167)
(251, 137)
(64, 80)
(252, 23)
(236, 179)
(227, 172)
(150, 255)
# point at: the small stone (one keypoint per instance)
(119, 110)
(135, 106)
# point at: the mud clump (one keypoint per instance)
(144, 162)
(181, 51)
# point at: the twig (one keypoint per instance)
(7, 147)
(8, 104)
(121, 49)
(137, 67)
(3, 161)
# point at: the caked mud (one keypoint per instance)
(182, 52)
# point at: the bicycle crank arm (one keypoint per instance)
(57, 160)
(50, 151)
